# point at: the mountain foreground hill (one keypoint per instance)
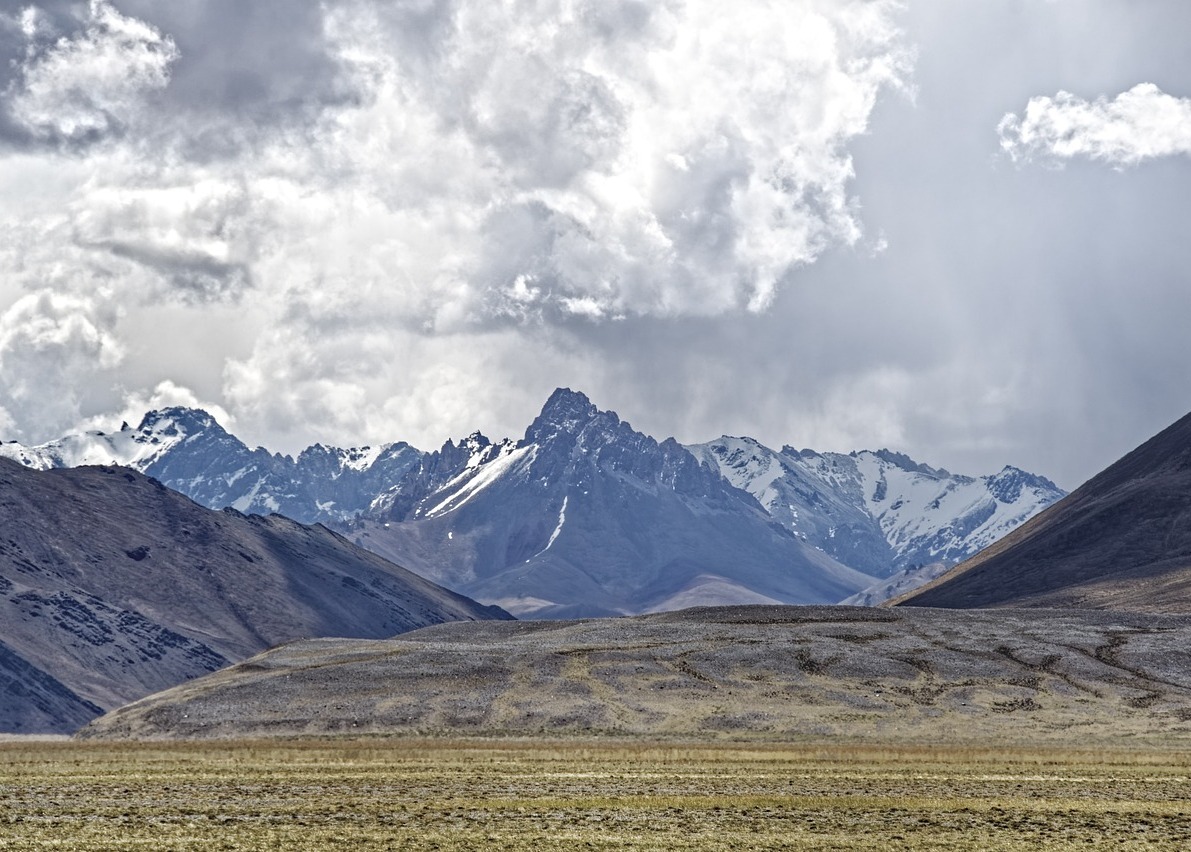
(756, 672)
(113, 586)
(1121, 541)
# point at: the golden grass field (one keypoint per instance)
(532, 795)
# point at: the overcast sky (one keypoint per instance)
(955, 229)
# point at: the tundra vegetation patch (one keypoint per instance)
(586, 794)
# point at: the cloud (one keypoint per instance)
(244, 72)
(603, 160)
(376, 185)
(382, 384)
(166, 394)
(187, 236)
(1140, 124)
(529, 163)
(53, 347)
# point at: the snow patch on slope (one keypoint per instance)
(477, 476)
(562, 519)
(362, 458)
(929, 514)
(747, 465)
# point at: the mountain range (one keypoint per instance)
(113, 586)
(584, 516)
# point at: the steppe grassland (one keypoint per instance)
(521, 795)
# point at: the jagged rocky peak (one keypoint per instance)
(794, 452)
(469, 452)
(904, 462)
(1008, 485)
(476, 442)
(174, 420)
(738, 451)
(566, 412)
(350, 458)
(421, 474)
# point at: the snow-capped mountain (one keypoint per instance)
(880, 512)
(190, 452)
(584, 515)
(1120, 542)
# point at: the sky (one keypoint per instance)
(954, 228)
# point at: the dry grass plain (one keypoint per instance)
(587, 794)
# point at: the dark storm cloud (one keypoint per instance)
(1019, 314)
(258, 64)
(192, 275)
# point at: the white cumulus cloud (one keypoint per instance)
(53, 348)
(602, 159)
(1140, 124)
(469, 174)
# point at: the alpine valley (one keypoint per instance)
(583, 516)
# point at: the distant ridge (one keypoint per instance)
(1120, 541)
(870, 509)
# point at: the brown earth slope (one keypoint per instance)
(1121, 541)
(113, 586)
(733, 672)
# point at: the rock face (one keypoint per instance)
(113, 586)
(893, 675)
(585, 516)
(1121, 541)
